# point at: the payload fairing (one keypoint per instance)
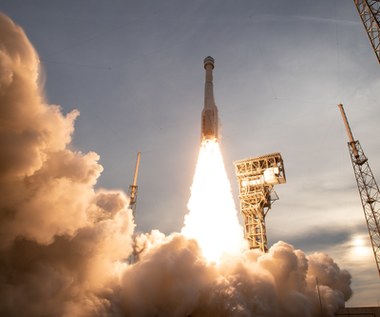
(210, 123)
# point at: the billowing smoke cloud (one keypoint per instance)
(64, 246)
(59, 239)
(172, 279)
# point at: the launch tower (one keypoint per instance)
(368, 189)
(257, 177)
(369, 11)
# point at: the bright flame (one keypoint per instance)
(212, 218)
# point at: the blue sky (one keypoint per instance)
(134, 71)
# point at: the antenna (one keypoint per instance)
(348, 130)
(133, 188)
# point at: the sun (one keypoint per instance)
(360, 247)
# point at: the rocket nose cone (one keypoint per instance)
(208, 61)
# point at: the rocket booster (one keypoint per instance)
(210, 124)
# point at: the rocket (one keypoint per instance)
(209, 130)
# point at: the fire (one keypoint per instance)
(212, 218)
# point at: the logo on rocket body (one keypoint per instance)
(209, 130)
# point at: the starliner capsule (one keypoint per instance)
(210, 123)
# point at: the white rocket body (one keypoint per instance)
(210, 123)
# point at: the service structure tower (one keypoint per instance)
(257, 177)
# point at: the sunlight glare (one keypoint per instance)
(360, 247)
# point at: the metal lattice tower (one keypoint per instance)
(256, 178)
(369, 11)
(368, 189)
(134, 188)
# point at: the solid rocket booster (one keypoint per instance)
(210, 124)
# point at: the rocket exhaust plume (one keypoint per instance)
(63, 244)
(212, 218)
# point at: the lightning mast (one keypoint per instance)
(133, 188)
(368, 189)
(369, 11)
(257, 177)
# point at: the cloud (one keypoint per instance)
(322, 238)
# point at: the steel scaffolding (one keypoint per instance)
(256, 178)
(369, 11)
(368, 189)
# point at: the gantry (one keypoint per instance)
(369, 11)
(256, 178)
(368, 189)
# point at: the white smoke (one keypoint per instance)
(64, 246)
